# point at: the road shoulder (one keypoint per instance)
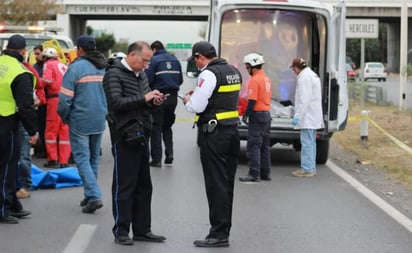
(375, 179)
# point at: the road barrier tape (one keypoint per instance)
(353, 118)
(396, 141)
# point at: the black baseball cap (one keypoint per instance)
(16, 41)
(86, 42)
(203, 48)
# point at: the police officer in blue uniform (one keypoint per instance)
(16, 104)
(164, 74)
(214, 101)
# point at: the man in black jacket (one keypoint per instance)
(129, 101)
(16, 104)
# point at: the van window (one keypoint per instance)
(279, 36)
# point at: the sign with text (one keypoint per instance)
(182, 51)
(116, 9)
(362, 28)
(178, 45)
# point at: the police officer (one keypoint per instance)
(214, 101)
(257, 115)
(16, 104)
(164, 74)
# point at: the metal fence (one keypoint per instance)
(366, 92)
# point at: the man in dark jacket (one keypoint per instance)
(129, 101)
(16, 104)
(164, 74)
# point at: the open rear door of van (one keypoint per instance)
(338, 93)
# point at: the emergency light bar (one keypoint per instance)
(30, 29)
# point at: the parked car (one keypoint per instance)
(375, 70)
(350, 62)
(351, 74)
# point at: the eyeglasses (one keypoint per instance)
(143, 60)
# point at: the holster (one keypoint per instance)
(209, 127)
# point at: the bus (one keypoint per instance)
(281, 30)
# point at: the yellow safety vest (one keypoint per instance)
(10, 68)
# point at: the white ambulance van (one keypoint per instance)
(281, 30)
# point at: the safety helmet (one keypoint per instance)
(254, 59)
(50, 52)
(117, 55)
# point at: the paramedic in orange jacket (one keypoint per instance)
(57, 133)
(257, 116)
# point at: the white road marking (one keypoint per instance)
(80, 239)
(382, 204)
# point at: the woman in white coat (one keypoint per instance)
(308, 115)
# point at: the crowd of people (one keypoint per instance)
(67, 107)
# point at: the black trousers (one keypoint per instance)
(9, 155)
(131, 189)
(163, 120)
(258, 144)
(219, 154)
(41, 122)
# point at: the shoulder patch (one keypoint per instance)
(200, 82)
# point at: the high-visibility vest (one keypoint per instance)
(10, 68)
(222, 104)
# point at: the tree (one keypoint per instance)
(105, 42)
(120, 47)
(27, 12)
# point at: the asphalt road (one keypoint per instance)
(287, 214)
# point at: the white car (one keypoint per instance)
(375, 70)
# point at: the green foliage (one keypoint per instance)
(105, 42)
(27, 12)
(89, 30)
(409, 70)
(120, 47)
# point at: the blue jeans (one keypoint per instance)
(308, 151)
(24, 167)
(85, 149)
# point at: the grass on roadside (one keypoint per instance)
(379, 150)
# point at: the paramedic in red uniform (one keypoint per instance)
(57, 133)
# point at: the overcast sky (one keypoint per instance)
(165, 31)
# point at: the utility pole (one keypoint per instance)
(403, 76)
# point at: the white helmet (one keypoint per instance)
(117, 55)
(254, 59)
(50, 52)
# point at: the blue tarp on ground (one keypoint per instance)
(55, 178)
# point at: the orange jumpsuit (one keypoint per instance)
(57, 133)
